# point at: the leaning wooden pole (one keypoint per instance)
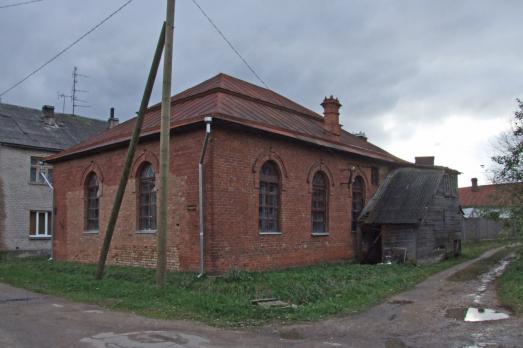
(164, 146)
(130, 155)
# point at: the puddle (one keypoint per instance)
(489, 277)
(395, 343)
(291, 334)
(484, 314)
(146, 339)
(473, 314)
(401, 301)
(456, 313)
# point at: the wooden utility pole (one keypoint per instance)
(164, 146)
(130, 154)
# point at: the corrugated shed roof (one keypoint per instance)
(495, 195)
(403, 197)
(22, 126)
(233, 100)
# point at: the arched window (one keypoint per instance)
(320, 203)
(358, 200)
(269, 210)
(146, 198)
(92, 203)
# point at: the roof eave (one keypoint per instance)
(31, 147)
(193, 120)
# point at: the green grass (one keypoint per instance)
(318, 291)
(510, 285)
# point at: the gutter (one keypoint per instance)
(208, 121)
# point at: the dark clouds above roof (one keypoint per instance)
(397, 67)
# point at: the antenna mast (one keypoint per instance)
(77, 102)
(63, 97)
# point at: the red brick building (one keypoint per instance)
(282, 185)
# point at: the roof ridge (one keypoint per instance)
(56, 113)
(220, 85)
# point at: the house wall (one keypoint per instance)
(18, 196)
(235, 238)
(232, 239)
(129, 246)
(440, 227)
(400, 237)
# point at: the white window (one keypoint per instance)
(37, 167)
(40, 224)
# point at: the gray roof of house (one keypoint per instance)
(22, 126)
(403, 197)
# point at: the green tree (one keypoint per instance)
(508, 164)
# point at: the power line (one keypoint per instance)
(66, 48)
(229, 43)
(20, 3)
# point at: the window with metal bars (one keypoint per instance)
(269, 198)
(358, 200)
(375, 176)
(319, 205)
(92, 203)
(147, 198)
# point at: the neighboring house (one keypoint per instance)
(27, 136)
(414, 215)
(487, 209)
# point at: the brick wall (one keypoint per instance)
(232, 239)
(129, 246)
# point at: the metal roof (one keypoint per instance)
(25, 127)
(404, 197)
(233, 100)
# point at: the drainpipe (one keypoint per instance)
(52, 211)
(208, 121)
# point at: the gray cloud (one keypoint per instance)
(419, 62)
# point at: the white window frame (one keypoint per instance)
(37, 233)
(40, 167)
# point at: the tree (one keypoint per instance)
(509, 161)
(508, 164)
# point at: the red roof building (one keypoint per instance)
(282, 185)
(487, 196)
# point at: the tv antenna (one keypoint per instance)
(77, 102)
(63, 97)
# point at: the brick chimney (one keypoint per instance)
(112, 121)
(48, 115)
(424, 161)
(331, 115)
(475, 187)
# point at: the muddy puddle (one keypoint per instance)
(473, 314)
(484, 314)
(489, 277)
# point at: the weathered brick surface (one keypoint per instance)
(232, 239)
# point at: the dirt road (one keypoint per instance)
(427, 316)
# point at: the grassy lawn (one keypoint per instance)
(510, 285)
(318, 291)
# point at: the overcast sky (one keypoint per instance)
(418, 77)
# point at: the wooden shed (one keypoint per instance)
(414, 216)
